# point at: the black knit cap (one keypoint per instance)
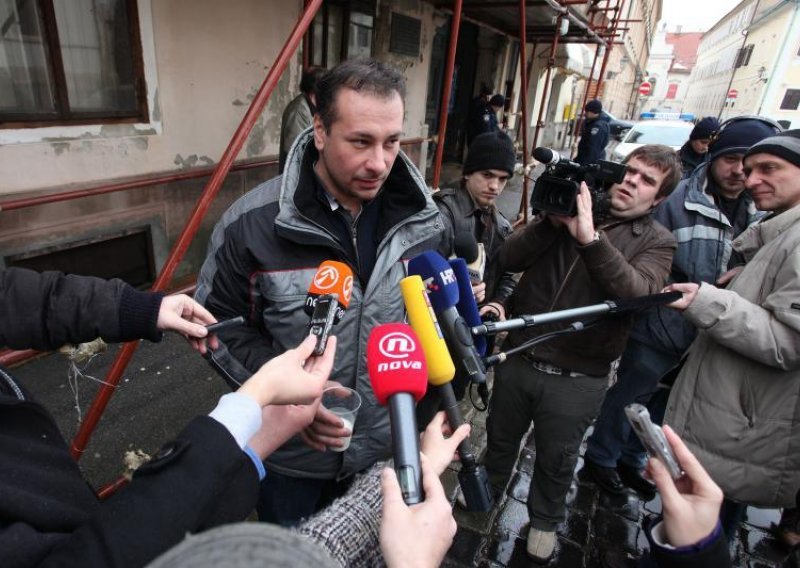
(736, 136)
(785, 145)
(594, 106)
(704, 129)
(490, 151)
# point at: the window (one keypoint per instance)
(70, 62)
(341, 30)
(672, 90)
(791, 99)
(743, 56)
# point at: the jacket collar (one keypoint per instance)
(770, 228)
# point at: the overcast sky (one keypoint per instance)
(694, 15)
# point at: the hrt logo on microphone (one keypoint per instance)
(448, 276)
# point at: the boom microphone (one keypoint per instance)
(572, 314)
(465, 246)
(399, 378)
(332, 277)
(440, 281)
(550, 158)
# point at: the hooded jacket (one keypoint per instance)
(262, 258)
(705, 236)
(736, 402)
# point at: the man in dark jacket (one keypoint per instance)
(482, 117)
(594, 135)
(471, 210)
(207, 476)
(299, 113)
(348, 194)
(559, 384)
(693, 152)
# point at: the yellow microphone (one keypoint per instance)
(441, 369)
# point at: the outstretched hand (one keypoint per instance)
(439, 442)
(419, 535)
(182, 314)
(691, 504)
(581, 226)
(296, 377)
(689, 291)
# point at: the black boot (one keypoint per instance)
(605, 477)
(633, 478)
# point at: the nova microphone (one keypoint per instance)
(440, 281)
(465, 246)
(550, 158)
(472, 477)
(327, 300)
(332, 277)
(399, 378)
(608, 307)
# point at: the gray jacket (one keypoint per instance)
(261, 260)
(736, 402)
(704, 236)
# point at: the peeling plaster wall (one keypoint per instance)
(205, 63)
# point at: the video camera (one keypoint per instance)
(556, 190)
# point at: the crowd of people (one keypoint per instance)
(718, 222)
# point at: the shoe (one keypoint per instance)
(541, 544)
(632, 477)
(606, 478)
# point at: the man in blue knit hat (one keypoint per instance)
(705, 213)
(693, 153)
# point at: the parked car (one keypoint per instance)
(616, 126)
(668, 132)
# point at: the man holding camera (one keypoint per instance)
(569, 262)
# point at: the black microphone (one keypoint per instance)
(550, 158)
(607, 307)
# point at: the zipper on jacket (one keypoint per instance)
(563, 284)
(11, 384)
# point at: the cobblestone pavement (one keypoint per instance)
(600, 530)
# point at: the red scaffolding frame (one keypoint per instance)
(603, 34)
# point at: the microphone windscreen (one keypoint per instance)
(332, 277)
(438, 278)
(396, 362)
(544, 155)
(441, 369)
(465, 246)
(466, 305)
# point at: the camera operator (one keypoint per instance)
(560, 385)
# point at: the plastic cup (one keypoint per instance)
(344, 402)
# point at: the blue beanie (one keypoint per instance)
(704, 129)
(737, 136)
(594, 106)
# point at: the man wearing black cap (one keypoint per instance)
(736, 401)
(594, 135)
(471, 209)
(705, 213)
(694, 150)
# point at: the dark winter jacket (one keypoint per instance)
(49, 516)
(261, 260)
(689, 159)
(632, 258)
(481, 118)
(460, 214)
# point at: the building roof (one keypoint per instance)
(685, 47)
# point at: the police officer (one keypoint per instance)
(594, 135)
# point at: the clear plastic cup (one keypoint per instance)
(344, 402)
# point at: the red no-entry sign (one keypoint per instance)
(733, 93)
(645, 88)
